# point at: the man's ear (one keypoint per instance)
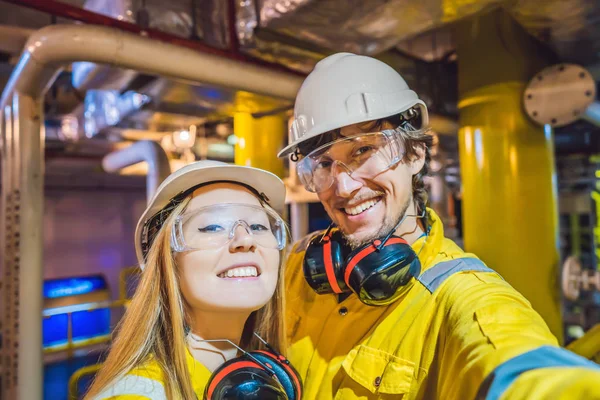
(418, 161)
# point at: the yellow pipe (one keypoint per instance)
(258, 139)
(509, 196)
(510, 214)
(588, 345)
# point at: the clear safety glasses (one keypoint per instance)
(215, 226)
(365, 155)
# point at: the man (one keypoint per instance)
(384, 306)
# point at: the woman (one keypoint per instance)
(210, 245)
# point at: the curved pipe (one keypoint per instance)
(50, 48)
(145, 150)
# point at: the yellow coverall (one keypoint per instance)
(146, 382)
(459, 331)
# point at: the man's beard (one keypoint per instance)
(389, 224)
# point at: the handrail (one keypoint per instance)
(69, 310)
(74, 379)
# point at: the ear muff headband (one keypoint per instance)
(228, 369)
(329, 270)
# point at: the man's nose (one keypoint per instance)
(345, 184)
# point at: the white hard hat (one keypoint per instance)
(346, 89)
(268, 185)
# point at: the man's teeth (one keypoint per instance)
(361, 207)
(241, 272)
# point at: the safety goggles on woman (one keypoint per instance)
(365, 155)
(217, 225)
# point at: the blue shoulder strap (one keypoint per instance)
(436, 275)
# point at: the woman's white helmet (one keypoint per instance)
(268, 185)
(346, 89)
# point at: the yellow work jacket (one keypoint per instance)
(454, 326)
(146, 382)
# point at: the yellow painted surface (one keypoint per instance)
(258, 138)
(509, 194)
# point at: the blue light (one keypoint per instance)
(211, 93)
(91, 324)
(85, 325)
(57, 288)
(55, 330)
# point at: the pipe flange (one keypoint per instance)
(559, 95)
(574, 278)
(571, 278)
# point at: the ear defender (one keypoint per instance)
(324, 262)
(378, 271)
(375, 272)
(255, 375)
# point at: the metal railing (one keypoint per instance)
(77, 375)
(71, 344)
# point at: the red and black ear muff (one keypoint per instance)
(377, 271)
(324, 262)
(255, 375)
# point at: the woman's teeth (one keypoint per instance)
(361, 207)
(239, 272)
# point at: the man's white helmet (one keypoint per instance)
(346, 89)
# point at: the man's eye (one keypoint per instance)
(323, 164)
(362, 150)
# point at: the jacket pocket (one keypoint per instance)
(379, 371)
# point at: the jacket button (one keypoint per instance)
(377, 381)
(343, 311)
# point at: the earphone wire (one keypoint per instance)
(271, 348)
(389, 235)
(265, 366)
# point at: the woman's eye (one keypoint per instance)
(211, 228)
(258, 228)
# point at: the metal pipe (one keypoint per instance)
(22, 244)
(592, 113)
(142, 151)
(53, 46)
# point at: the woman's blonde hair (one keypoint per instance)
(154, 325)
